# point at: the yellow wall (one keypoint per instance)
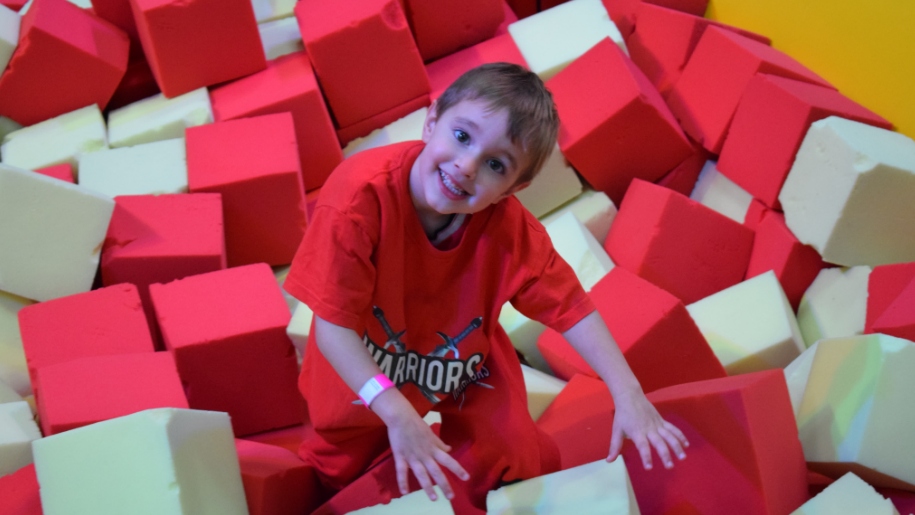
(865, 48)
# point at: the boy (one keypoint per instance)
(412, 250)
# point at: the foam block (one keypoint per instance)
(706, 95)
(288, 84)
(579, 420)
(578, 247)
(383, 68)
(849, 193)
(119, 13)
(750, 326)
(408, 128)
(755, 214)
(185, 49)
(614, 124)
(776, 248)
(236, 318)
(625, 12)
(97, 323)
(849, 494)
(743, 457)
(415, 503)
(7, 126)
(771, 119)
(553, 38)
(444, 71)
(59, 140)
(20, 492)
(716, 191)
(684, 176)
(276, 480)
(555, 184)
(359, 129)
(63, 172)
(66, 59)
(443, 27)
(541, 390)
(888, 300)
(268, 10)
(677, 243)
(835, 304)
(300, 327)
(87, 390)
(147, 169)
(13, 370)
(854, 404)
(253, 163)
(158, 118)
(289, 438)
(280, 37)
(50, 248)
(597, 487)
(137, 84)
(7, 394)
(17, 432)
(165, 461)
(594, 210)
(9, 34)
(662, 344)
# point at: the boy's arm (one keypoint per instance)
(635, 416)
(414, 445)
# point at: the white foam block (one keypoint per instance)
(408, 128)
(835, 304)
(299, 327)
(51, 234)
(848, 494)
(541, 390)
(580, 249)
(523, 333)
(58, 140)
(9, 35)
(280, 37)
(551, 39)
(13, 369)
(556, 184)
(590, 489)
(415, 503)
(594, 209)
(7, 125)
(7, 394)
(750, 326)
(17, 432)
(266, 10)
(721, 194)
(158, 118)
(160, 461)
(849, 193)
(147, 169)
(796, 375)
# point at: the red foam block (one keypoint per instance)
(677, 243)
(523, 8)
(138, 83)
(884, 285)
(755, 214)
(276, 481)
(186, 46)
(119, 13)
(382, 68)
(658, 337)
(683, 177)
(898, 319)
(14, 4)
(579, 420)
(625, 13)
(287, 85)
(508, 17)
(227, 331)
(441, 27)
(66, 59)
(614, 124)
(377, 121)
(289, 438)
(20, 492)
(63, 172)
(776, 248)
(447, 69)
(96, 323)
(706, 95)
(253, 163)
(744, 455)
(89, 390)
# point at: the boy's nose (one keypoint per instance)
(467, 166)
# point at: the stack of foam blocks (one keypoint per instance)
(159, 159)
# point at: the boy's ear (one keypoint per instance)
(430, 121)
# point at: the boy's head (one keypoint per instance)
(532, 118)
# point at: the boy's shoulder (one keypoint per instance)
(368, 172)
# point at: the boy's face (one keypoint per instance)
(468, 163)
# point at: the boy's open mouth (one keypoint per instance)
(451, 186)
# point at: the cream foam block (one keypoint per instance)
(541, 390)
(7, 394)
(594, 209)
(594, 488)
(147, 169)
(835, 304)
(280, 37)
(850, 494)
(551, 39)
(555, 185)
(158, 462)
(8, 125)
(796, 375)
(580, 249)
(13, 369)
(523, 333)
(51, 233)
(299, 327)
(856, 408)
(408, 128)
(158, 118)
(61, 139)
(849, 193)
(716, 191)
(9, 35)
(17, 431)
(267, 10)
(416, 503)
(750, 326)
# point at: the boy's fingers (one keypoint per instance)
(401, 466)
(644, 448)
(451, 464)
(677, 433)
(673, 442)
(439, 477)
(423, 478)
(616, 444)
(660, 445)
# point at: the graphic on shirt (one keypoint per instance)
(393, 338)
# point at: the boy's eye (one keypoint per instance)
(496, 166)
(461, 136)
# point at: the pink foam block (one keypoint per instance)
(289, 438)
(664, 39)
(160, 238)
(14, 4)
(706, 95)
(624, 13)
(441, 27)
(377, 121)
(227, 331)
(614, 124)
(884, 285)
(119, 13)
(382, 67)
(903, 500)
(744, 455)
(287, 85)
(96, 323)
(523, 8)
(89, 390)
(755, 214)
(276, 481)
(776, 248)
(508, 17)
(138, 83)
(445, 70)
(579, 420)
(769, 125)
(677, 243)
(66, 59)
(187, 47)
(253, 163)
(20, 492)
(683, 177)
(658, 337)
(898, 319)
(63, 172)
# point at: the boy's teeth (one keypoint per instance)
(453, 188)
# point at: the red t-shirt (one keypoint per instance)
(427, 316)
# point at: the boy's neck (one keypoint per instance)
(433, 223)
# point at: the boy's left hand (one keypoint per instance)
(638, 419)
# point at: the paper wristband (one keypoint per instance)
(373, 387)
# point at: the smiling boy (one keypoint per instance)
(412, 250)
